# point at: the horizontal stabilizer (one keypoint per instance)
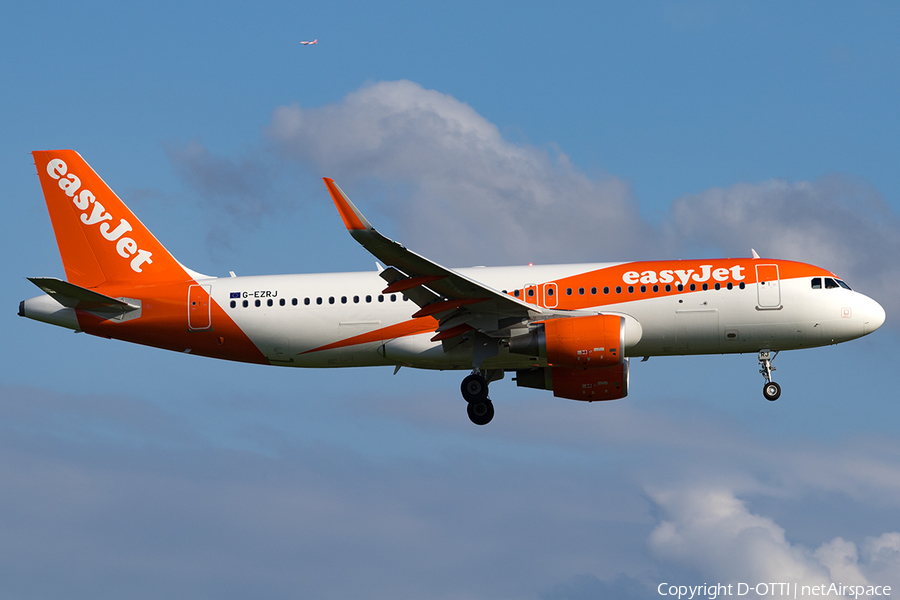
(74, 296)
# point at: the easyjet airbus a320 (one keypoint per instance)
(566, 328)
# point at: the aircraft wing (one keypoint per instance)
(458, 302)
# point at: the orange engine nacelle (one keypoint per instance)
(578, 342)
(608, 383)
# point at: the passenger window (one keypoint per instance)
(355, 299)
(742, 285)
(269, 302)
(246, 304)
(330, 299)
(233, 304)
(593, 291)
(380, 298)
(393, 297)
(605, 290)
(281, 302)
(319, 300)
(730, 285)
(368, 298)
(257, 303)
(516, 293)
(568, 291)
(549, 291)
(643, 289)
(530, 293)
(581, 291)
(618, 289)
(630, 289)
(817, 283)
(343, 299)
(668, 287)
(655, 288)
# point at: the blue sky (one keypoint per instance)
(477, 134)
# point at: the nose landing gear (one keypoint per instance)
(475, 391)
(771, 390)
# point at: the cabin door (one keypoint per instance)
(198, 307)
(767, 288)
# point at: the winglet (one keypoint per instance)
(353, 219)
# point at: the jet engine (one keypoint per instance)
(575, 342)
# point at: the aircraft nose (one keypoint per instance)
(873, 315)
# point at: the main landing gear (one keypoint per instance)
(475, 391)
(771, 390)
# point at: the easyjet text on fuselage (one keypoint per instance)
(684, 276)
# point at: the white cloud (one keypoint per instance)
(882, 555)
(455, 185)
(713, 532)
(842, 561)
(710, 530)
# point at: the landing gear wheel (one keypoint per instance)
(481, 412)
(475, 389)
(771, 390)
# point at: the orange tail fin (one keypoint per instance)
(100, 240)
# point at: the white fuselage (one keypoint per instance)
(321, 309)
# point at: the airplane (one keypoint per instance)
(567, 328)
(315, 41)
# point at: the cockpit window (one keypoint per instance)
(830, 283)
(843, 285)
(817, 283)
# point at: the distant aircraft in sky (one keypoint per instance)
(315, 41)
(567, 328)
